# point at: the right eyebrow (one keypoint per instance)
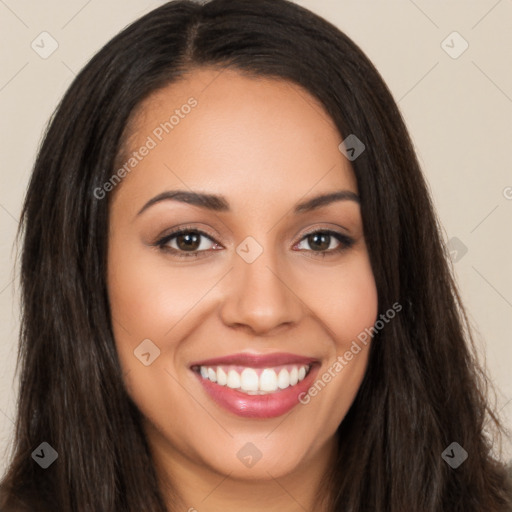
(209, 201)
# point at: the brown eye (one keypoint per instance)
(319, 241)
(325, 242)
(189, 241)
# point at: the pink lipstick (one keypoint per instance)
(256, 385)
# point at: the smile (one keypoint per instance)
(255, 381)
(256, 386)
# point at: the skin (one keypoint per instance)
(264, 145)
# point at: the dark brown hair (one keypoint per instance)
(423, 389)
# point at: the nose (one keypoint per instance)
(259, 297)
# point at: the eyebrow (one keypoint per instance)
(220, 204)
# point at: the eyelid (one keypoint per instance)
(333, 229)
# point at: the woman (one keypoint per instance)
(235, 294)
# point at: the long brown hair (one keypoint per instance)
(423, 388)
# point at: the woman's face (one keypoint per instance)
(222, 332)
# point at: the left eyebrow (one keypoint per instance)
(325, 199)
(219, 203)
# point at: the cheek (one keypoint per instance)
(147, 297)
(147, 302)
(348, 306)
(153, 300)
(358, 304)
(343, 298)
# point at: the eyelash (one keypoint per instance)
(345, 242)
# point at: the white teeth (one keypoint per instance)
(253, 381)
(283, 379)
(233, 380)
(268, 380)
(294, 376)
(212, 374)
(249, 380)
(222, 378)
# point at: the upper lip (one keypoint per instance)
(256, 360)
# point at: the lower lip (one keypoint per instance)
(258, 406)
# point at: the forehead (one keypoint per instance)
(243, 137)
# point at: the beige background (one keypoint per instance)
(458, 110)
